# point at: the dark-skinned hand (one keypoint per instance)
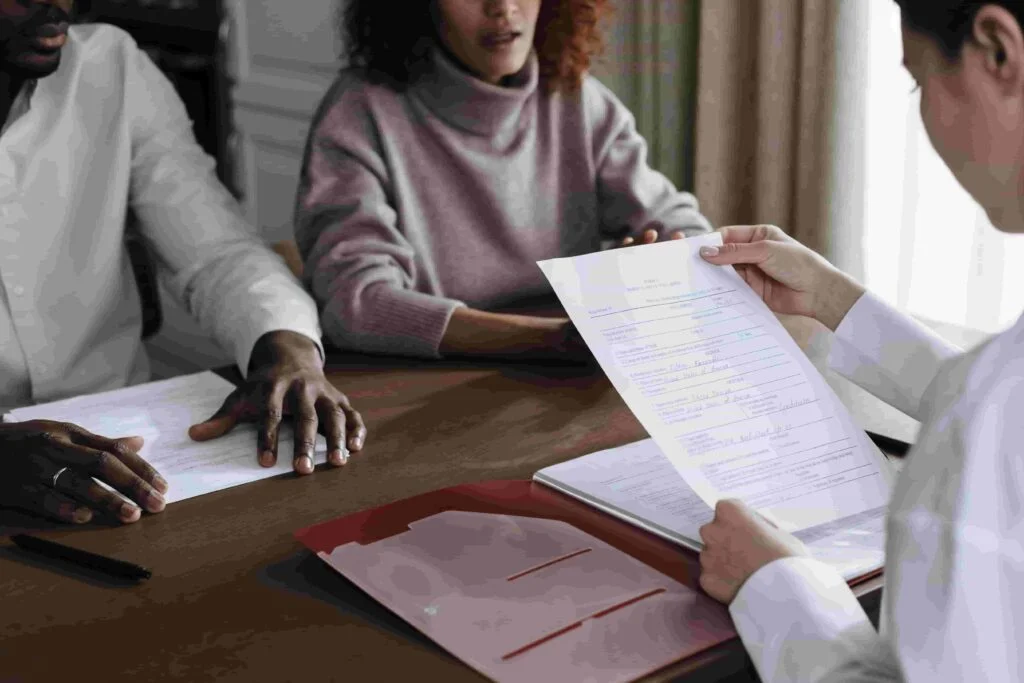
(286, 378)
(52, 469)
(651, 233)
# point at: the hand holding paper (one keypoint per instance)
(787, 276)
(719, 384)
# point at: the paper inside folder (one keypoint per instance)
(528, 599)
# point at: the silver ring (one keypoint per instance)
(61, 471)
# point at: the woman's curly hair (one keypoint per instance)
(382, 37)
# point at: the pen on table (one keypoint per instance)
(106, 565)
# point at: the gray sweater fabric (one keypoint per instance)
(414, 202)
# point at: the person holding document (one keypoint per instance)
(464, 143)
(954, 597)
(90, 127)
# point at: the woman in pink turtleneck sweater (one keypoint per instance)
(464, 143)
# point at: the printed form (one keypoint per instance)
(719, 384)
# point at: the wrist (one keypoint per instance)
(837, 296)
(475, 332)
(284, 346)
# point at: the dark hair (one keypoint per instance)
(950, 22)
(390, 38)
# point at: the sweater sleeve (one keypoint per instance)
(358, 264)
(631, 194)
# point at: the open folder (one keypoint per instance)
(525, 584)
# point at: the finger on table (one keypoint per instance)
(125, 449)
(354, 426)
(305, 425)
(117, 465)
(332, 419)
(109, 467)
(87, 491)
(43, 500)
(270, 425)
(221, 422)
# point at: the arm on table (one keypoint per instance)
(233, 284)
(363, 269)
(236, 288)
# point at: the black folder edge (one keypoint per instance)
(888, 444)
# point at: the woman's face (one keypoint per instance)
(492, 38)
(973, 111)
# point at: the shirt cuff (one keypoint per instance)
(888, 353)
(798, 620)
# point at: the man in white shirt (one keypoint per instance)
(90, 127)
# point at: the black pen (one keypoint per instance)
(106, 565)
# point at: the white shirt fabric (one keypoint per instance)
(105, 131)
(953, 606)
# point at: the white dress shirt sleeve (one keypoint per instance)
(800, 622)
(888, 353)
(236, 288)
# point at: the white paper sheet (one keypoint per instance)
(161, 413)
(638, 484)
(719, 384)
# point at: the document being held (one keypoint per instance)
(719, 384)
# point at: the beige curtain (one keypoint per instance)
(778, 107)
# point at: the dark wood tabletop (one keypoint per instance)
(234, 597)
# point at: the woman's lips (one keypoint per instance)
(495, 41)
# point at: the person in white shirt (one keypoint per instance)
(953, 607)
(90, 127)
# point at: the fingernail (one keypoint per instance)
(158, 497)
(709, 251)
(128, 511)
(356, 443)
(339, 456)
(305, 464)
(160, 484)
(82, 515)
(266, 458)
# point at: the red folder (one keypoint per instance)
(524, 583)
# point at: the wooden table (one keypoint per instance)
(235, 598)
